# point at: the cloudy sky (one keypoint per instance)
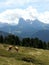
(12, 10)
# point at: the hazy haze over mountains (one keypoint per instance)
(27, 28)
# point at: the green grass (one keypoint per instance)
(25, 56)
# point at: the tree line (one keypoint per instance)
(27, 42)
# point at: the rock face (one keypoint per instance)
(27, 28)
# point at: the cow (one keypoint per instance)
(10, 47)
(16, 48)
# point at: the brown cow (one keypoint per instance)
(16, 48)
(10, 47)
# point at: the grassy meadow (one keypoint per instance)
(25, 56)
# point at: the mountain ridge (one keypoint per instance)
(25, 28)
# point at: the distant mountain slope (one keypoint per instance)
(42, 35)
(27, 28)
(4, 33)
(24, 26)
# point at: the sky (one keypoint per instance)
(12, 10)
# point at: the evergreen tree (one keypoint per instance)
(40, 45)
(35, 43)
(44, 45)
(11, 39)
(1, 39)
(32, 42)
(26, 42)
(48, 45)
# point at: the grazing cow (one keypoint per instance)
(16, 48)
(9, 48)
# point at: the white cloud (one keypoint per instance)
(12, 16)
(44, 17)
(8, 17)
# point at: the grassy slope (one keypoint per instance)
(25, 56)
